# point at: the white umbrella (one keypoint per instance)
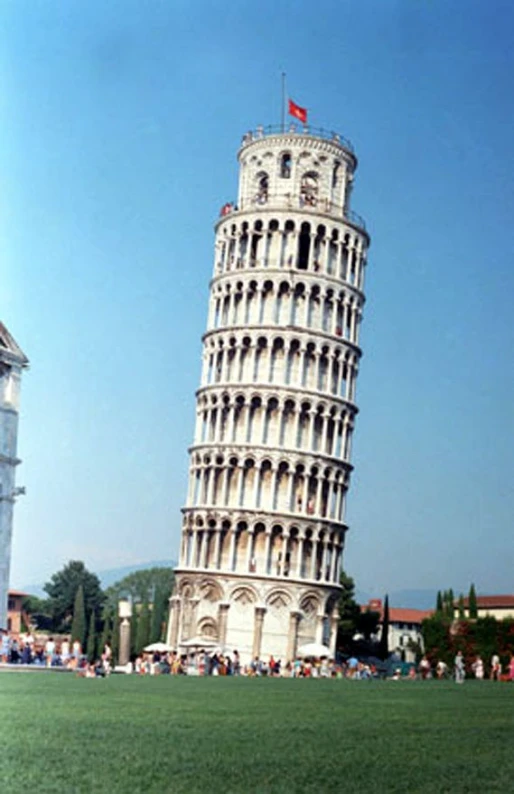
(198, 642)
(313, 649)
(158, 647)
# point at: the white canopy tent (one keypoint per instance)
(158, 647)
(313, 650)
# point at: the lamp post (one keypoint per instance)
(124, 614)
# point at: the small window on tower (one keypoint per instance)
(309, 189)
(262, 187)
(285, 165)
(335, 173)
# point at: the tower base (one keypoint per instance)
(259, 616)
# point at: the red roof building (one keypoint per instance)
(496, 606)
(15, 611)
(404, 627)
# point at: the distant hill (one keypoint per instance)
(107, 578)
(113, 575)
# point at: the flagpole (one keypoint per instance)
(283, 119)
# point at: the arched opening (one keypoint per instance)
(262, 187)
(285, 165)
(309, 189)
(304, 244)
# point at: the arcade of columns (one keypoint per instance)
(263, 526)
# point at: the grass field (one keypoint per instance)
(62, 734)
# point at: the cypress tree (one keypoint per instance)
(115, 638)
(143, 628)
(91, 638)
(78, 625)
(439, 603)
(107, 630)
(134, 624)
(461, 607)
(384, 637)
(451, 599)
(158, 615)
(473, 606)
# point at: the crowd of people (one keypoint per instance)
(62, 653)
(203, 663)
(66, 654)
(476, 669)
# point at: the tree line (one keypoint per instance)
(76, 605)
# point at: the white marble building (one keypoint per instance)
(12, 362)
(263, 527)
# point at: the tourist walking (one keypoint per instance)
(496, 668)
(478, 668)
(459, 668)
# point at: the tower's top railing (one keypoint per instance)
(297, 129)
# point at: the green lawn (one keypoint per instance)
(233, 735)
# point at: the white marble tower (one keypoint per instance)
(12, 362)
(263, 527)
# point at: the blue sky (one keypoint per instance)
(121, 123)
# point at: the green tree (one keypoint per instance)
(38, 612)
(368, 623)
(78, 625)
(383, 649)
(107, 629)
(91, 639)
(472, 602)
(349, 612)
(437, 638)
(62, 590)
(451, 604)
(134, 630)
(115, 638)
(141, 586)
(439, 603)
(461, 607)
(159, 615)
(143, 627)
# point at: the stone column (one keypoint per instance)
(174, 621)
(344, 320)
(205, 547)
(292, 637)
(256, 486)
(223, 608)
(260, 611)
(267, 548)
(124, 655)
(324, 558)
(314, 558)
(194, 548)
(320, 624)
(249, 549)
(319, 491)
(284, 550)
(232, 549)
(334, 623)
(324, 435)
(194, 609)
(300, 556)
(217, 546)
(290, 493)
(333, 562)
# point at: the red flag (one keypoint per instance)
(298, 112)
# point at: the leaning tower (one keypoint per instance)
(264, 524)
(12, 363)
